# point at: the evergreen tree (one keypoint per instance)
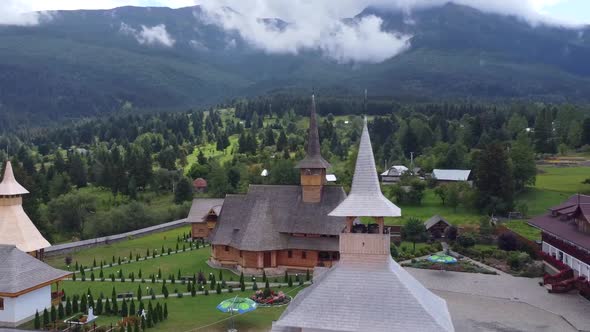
(37, 320)
(84, 303)
(53, 314)
(45, 318)
(139, 293)
(61, 311)
(107, 306)
(184, 191)
(68, 306)
(494, 180)
(124, 309)
(75, 307)
(99, 306)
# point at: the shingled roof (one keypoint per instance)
(20, 272)
(365, 198)
(264, 218)
(201, 207)
(9, 186)
(313, 157)
(434, 220)
(15, 226)
(366, 293)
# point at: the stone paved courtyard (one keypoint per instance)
(480, 302)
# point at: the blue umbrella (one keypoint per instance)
(442, 260)
(238, 305)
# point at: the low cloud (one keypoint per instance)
(156, 35)
(346, 42)
(15, 12)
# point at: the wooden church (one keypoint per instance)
(282, 227)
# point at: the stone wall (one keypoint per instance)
(75, 246)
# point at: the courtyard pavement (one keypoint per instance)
(481, 302)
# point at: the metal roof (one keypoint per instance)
(365, 198)
(9, 186)
(451, 174)
(313, 157)
(20, 271)
(566, 230)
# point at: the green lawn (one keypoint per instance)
(524, 229)
(122, 248)
(539, 200)
(189, 263)
(431, 205)
(192, 313)
(564, 179)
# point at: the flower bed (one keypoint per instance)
(460, 266)
(269, 298)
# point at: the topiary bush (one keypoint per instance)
(507, 241)
(466, 240)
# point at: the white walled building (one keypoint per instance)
(25, 285)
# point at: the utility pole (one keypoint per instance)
(412, 162)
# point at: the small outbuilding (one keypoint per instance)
(451, 175)
(436, 226)
(25, 286)
(203, 216)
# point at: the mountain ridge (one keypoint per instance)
(90, 62)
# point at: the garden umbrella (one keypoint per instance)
(442, 259)
(238, 305)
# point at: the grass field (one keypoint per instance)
(539, 200)
(200, 313)
(431, 205)
(188, 263)
(122, 249)
(522, 228)
(185, 314)
(563, 179)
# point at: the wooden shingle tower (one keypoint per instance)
(313, 167)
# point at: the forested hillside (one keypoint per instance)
(87, 63)
(122, 172)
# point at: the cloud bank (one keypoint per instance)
(156, 35)
(317, 25)
(307, 29)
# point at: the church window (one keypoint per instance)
(304, 254)
(290, 254)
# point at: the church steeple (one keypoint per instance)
(313, 157)
(313, 166)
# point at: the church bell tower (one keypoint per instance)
(313, 167)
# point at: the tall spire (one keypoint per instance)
(9, 186)
(313, 158)
(365, 198)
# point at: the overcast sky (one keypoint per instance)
(573, 11)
